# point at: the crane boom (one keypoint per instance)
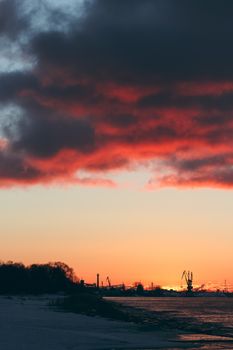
(188, 276)
(109, 282)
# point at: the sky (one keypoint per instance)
(116, 135)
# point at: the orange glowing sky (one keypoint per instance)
(127, 234)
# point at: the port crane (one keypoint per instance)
(109, 282)
(200, 288)
(188, 277)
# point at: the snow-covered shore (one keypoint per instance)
(27, 323)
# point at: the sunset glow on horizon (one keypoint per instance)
(122, 233)
(116, 138)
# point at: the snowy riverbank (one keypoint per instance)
(27, 323)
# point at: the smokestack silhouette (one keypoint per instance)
(97, 280)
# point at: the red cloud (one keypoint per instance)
(85, 126)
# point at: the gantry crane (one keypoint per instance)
(188, 276)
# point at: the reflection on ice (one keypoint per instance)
(204, 337)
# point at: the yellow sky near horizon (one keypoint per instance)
(127, 234)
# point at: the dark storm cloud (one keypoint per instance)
(214, 120)
(190, 165)
(109, 88)
(146, 41)
(12, 84)
(44, 137)
(219, 178)
(158, 134)
(11, 23)
(120, 120)
(14, 167)
(222, 102)
(207, 171)
(16, 86)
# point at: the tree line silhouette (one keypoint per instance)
(16, 278)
